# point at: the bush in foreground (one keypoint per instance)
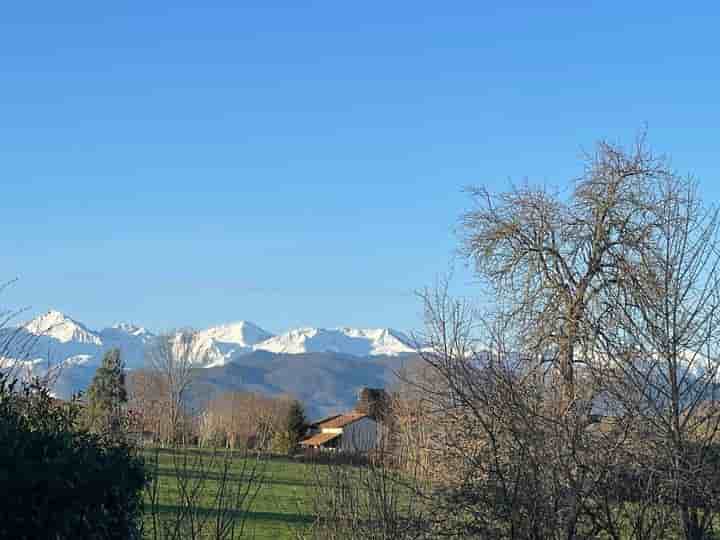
(60, 481)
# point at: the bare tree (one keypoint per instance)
(172, 358)
(663, 340)
(495, 458)
(213, 492)
(480, 421)
(147, 398)
(608, 292)
(549, 259)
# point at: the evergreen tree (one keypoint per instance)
(107, 395)
(296, 423)
(286, 440)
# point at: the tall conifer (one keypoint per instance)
(107, 395)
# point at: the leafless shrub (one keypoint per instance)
(203, 495)
(371, 500)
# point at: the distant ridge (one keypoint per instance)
(353, 341)
(304, 361)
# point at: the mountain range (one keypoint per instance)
(325, 368)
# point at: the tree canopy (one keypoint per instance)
(107, 395)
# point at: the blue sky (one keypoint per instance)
(191, 163)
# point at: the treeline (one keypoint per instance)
(159, 401)
(232, 419)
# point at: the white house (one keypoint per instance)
(351, 432)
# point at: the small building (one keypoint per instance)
(356, 431)
(604, 408)
(351, 432)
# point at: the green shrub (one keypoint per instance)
(60, 481)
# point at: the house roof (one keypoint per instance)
(317, 423)
(604, 404)
(340, 420)
(319, 439)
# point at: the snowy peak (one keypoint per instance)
(126, 332)
(295, 341)
(220, 345)
(132, 341)
(130, 329)
(55, 343)
(352, 341)
(59, 326)
(243, 333)
(385, 340)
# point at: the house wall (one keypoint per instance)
(360, 436)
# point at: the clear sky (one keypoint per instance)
(301, 163)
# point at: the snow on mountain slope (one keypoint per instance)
(58, 326)
(220, 345)
(132, 341)
(386, 341)
(61, 348)
(56, 343)
(242, 333)
(353, 341)
(121, 330)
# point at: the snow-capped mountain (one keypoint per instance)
(59, 337)
(54, 343)
(124, 329)
(132, 340)
(219, 345)
(56, 325)
(353, 341)
(57, 346)
(242, 333)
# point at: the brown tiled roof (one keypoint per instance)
(319, 439)
(323, 420)
(340, 420)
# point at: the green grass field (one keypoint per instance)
(279, 509)
(282, 506)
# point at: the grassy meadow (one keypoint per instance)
(278, 509)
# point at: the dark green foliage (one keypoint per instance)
(286, 440)
(296, 424)
(59, 481)
(107, 395)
